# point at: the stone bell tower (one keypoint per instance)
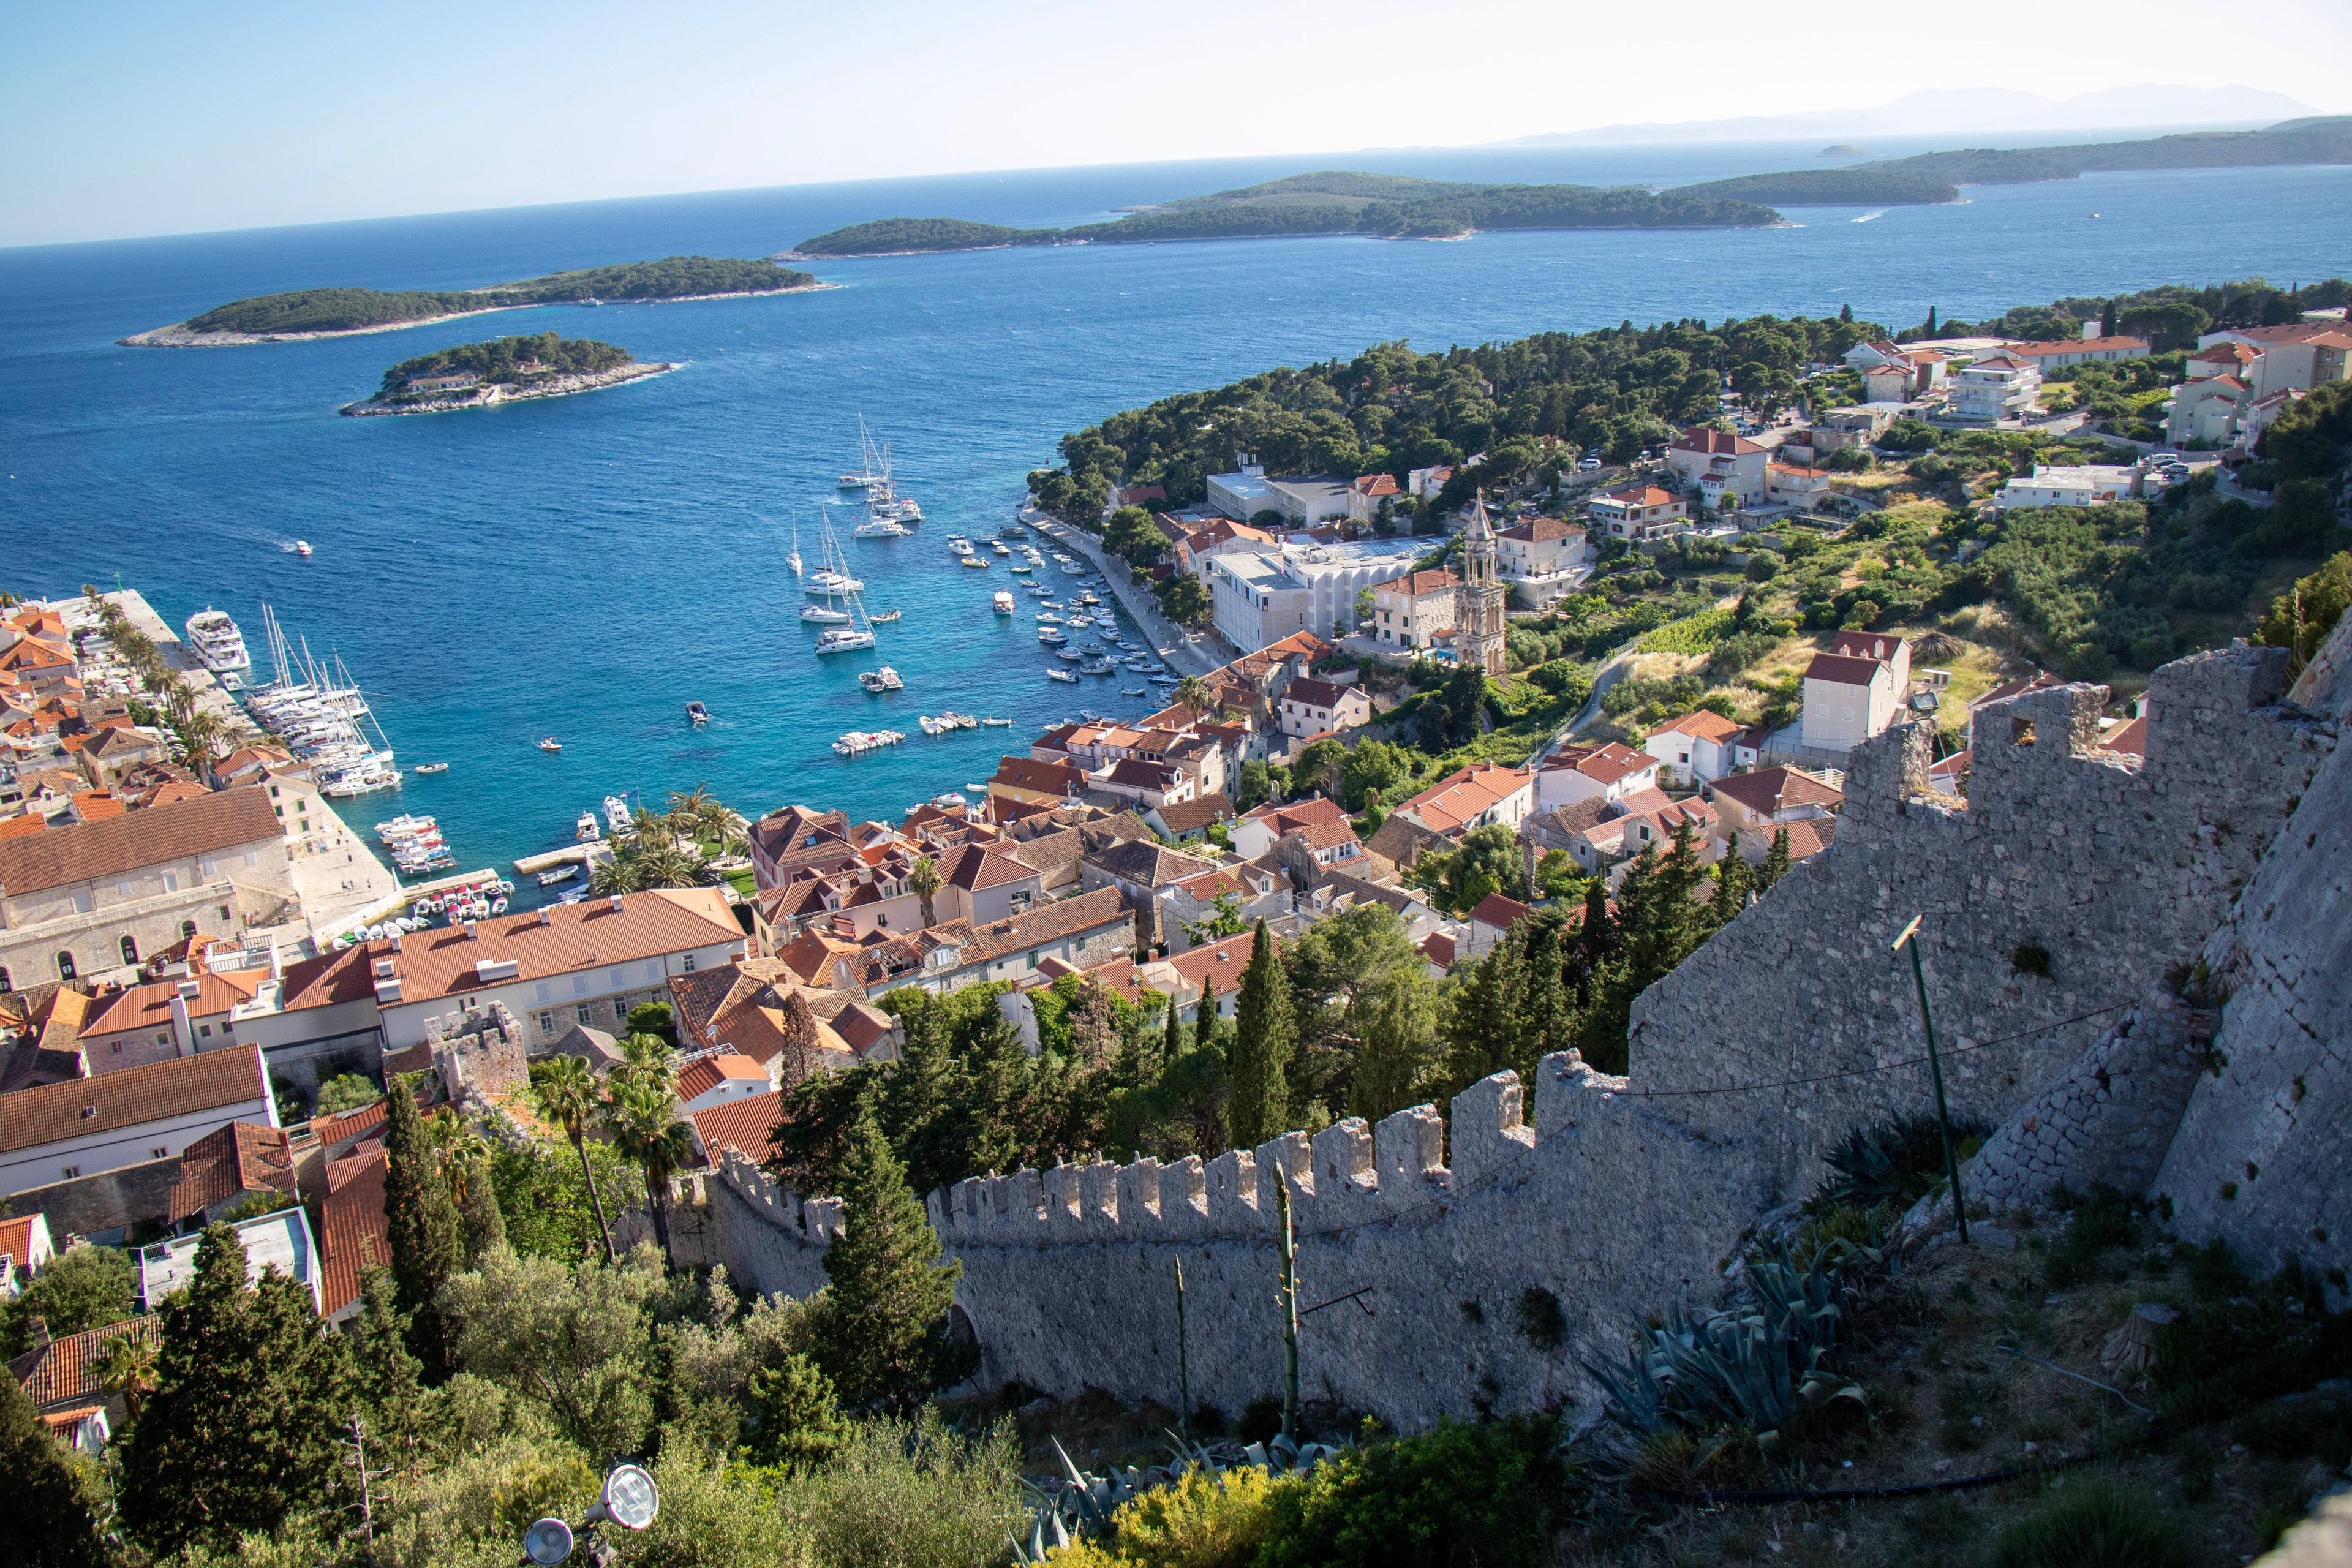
(1478, 602)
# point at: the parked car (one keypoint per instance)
(1589, 466)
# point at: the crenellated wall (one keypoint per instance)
(1790, 1027)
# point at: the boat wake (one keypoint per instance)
(1867, 217)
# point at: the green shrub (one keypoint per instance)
(1203, 1522)
(907, 1492)
(2094, 1521)
(1541, 1322)
(1489, 1493)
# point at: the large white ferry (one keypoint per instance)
(217, 644)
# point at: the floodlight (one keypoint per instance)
(546, 1542)
(631, 1499)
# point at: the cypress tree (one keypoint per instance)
(386, 1376)
(1173, 1045)
(47, 1496)
(889, 1290)
(486, 1223)
(1598, 935)
(1264, 1035)
(1479, 1020)
(428, 1237)
(1845, 312)
(1547, 1016)
(1732, 880)
(1776, 861)
(249, 1395)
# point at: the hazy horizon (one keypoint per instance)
(149, 120)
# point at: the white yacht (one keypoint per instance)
(216, 642)
(878, 528)
(1003, 601)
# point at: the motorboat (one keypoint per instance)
(217, 644)
(1069, 653)
(1052, 635)
(616, 814)
(1001, 548)
(879, 528)
(1135, 691)
(975, 560)
(1003, 601)
(998, 723)
(883, 679)
(697, 713)
(1020, 568)
(861, 741)
(1096, 666)
(297, 547)
(586, 829)
(551, 744)
(423, 768)
(560, 874)
(884, 618)
(1060, 674)
(829, 582)
(1048, 618)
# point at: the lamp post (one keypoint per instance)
(1909, 939)
(630, 1500)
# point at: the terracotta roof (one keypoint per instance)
(1042, 778)
(16, 1239)
(183, 1086)
(1325, 834)
(862, 1027)
(353, 1234)
(1438, 948)
(1217, 965)
(2075, 346)
(2228, 351)
(703, 1074)
(149, 1006)
(1808, 837)
(743, 1125)
(585, 935)
(1047, 923)
(1542, 531)
(1454, 800)
(2129, 740)
(1298, 814)
(1875, 646)
(1840, 670)
(1416, 584)
(1312, 693)
(349, 1126)
(1706, 439)
(1186, 816)
(1603, 765)
(242, 1157)
(1138, 774)
(2015, 688)
(1500, 913)
(110, 846)
(1704, 723)
(1769, 791)
(65, 1372)
(973, 869)
(1145, 863)
(1640, 495)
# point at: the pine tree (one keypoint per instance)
(250, 1393)
(1732, 879)
(1478, 1022)
(1776, 862)
(50, 1521)
(889, 1290)
(427, 1235)
(1263, 1036)
(1845, 312)
(794, 1419)
(1546, 1015)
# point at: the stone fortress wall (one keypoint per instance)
(1424, 1282)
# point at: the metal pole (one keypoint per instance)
(1936, 1071)
(1183, 1380)
(1288, 1301)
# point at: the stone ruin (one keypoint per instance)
(478, 1051)
(2134, 972)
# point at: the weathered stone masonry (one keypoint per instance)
(1618, 1203)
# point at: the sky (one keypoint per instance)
(124, 119)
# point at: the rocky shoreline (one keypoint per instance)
(178, 336)
(488, 397)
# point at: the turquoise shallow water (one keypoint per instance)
(583, 567)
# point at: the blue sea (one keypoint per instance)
(584, 567)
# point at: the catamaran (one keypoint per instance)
(857, 631)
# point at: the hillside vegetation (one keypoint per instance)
(510, 361)
(1333, 201)
(1829, 188)
(2322, 141)
(357, 310)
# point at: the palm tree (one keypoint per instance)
(697, 814)
(128, 1367)
(643, 1120)
(563, 1092)
(200, 736)
(671, 866)
(1193, 693)
(624, 873)
(651, 829)
(645, 1059)
(925, 881)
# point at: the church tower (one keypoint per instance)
(1478, 602)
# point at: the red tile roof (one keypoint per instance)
(1217, 965)
(65, 1372)
(741, 1124)
(1500, 913)
(1840, 670)
(1603, 765)
(1875, 646)
(184, 1086)
(242, 1157)
(1706, 439)
(585, 935)
(1416, 584)
(149, 1006)
(1454, 800)
(112, 846)
(1771, 790)
(703, 1074)
(1640, 495)
(353, 1234)
(1438, 948)
(1704, 723)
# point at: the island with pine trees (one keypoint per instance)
(503, 370)
(306, 313)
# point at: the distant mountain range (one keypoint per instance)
(1968, 111)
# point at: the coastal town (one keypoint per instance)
(1430, 771)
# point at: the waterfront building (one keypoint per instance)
(1412, 610)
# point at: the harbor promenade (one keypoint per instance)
(1185, 654)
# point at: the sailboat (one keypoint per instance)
(793, 559)
(858, 633)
